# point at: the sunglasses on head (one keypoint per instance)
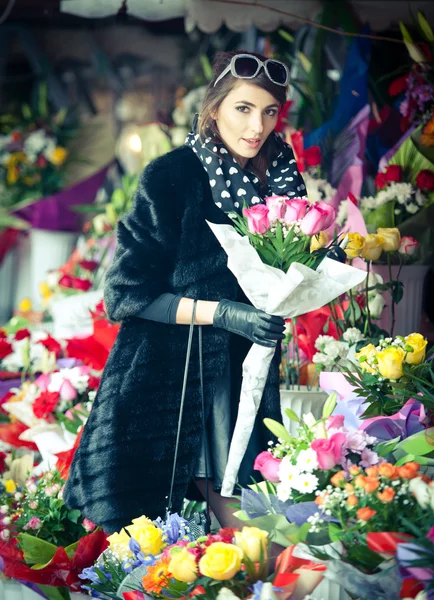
(247, 66)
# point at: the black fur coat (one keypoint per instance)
(122, 467)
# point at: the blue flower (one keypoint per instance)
(134, 546)
(175, 528)
(90, 574)
(257, 589)
(127, 566)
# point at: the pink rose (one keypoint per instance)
(42, 382)
(67, 391)
(335, 422)
(408, 245)
(257, 218)
(328, 452)
(319, 217)
(331, 212)
(88, 525)
(295, 209)
(276, 207)
(268, 466)
(34, 523)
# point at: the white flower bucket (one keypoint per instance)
(301, 401)
(7, 285)
(48, 250)
(408, 311)
(14, 590)
(329, 590)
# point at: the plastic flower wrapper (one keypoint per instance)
(289, 294)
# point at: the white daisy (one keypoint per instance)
(307, 460)
(306, 483)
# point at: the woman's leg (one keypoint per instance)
(219, 505)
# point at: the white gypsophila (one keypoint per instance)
(306, 483)
(36, 142)
(322, 359)
(342, 215)
(318, 189)
(412, 208)
(74, 375)
(353, 335)
(335, 349)
(322, 341)
(420, 198)
(307, 460)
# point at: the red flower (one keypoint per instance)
(398, 85)
(393, 173)
(5, 349)
(66, 281)
(51, 344)
(425, 180)
(5, 399)
(353, 199)
(3, 334)
(380, 181)
(410, 588)
(282, 120)
(88, 265)
(312, 156)
(2, 462)
(22, 334)
(94, 382)
(41, 162)
(45, 403)
(81, 284)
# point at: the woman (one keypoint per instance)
(166, 256)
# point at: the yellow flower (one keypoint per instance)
(148, 535)
(418, 343)
(366, 353)
(44, 290)
(10, 486)
(390, 362)
(319, 241)
(13, 174)
(253, 542)
(221, 561)
(355, 245)
(373, 246)
(58, 156)
(392, 238)
(183, 566)
(119, 541)
(25, 305)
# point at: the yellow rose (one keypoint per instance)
(418, 343)
(58, 156)
(373, 246)
(119, 541)
(25, 305)
(355, 245)
(183, 566)
(392, 238)
(319, 241)
(221, 561)
(10, 486)
(148, 535)
(390, 362)
(253, 542)
(366, 353)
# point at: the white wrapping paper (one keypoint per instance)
(290, 294)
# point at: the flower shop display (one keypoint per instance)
(277, 234)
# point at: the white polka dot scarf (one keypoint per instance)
(232, 187)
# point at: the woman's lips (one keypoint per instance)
(252, 142)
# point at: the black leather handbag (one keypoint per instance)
(200, 521)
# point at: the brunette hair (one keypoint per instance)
(214, 96)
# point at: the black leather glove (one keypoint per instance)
(253, 324)
(337, 253)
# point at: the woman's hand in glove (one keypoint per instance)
(253, 324)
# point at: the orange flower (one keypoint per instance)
(157, 576)
(338, 478)
(388, 470)
(360, 481)
(364, 514)
(349, 487)
(372, 471)
(354, 470)
(371, 484)
(352, 500)
(386, 495)
(409, 470)
(320, 500)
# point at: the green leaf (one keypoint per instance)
(54, 593)
(329, 406)
(35, 550)
(420, 443)
(425, 27)
(416, 54)
(206, 66)
(74, 515)
(278, 430)
(292, 416)
(335, 532)
(383, 216)
(286, 35)
(70, 550)
(385, 448)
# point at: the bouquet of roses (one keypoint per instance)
(29, 352)
(276, 270)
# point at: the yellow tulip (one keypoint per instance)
(355, 245)
(25, 305)
(58, 156)
(390, 362)
(373, 246)
(10, 486)
(319, 241)
(148, 535)
(392, 238)
(183, 566)
(253, 542)
(366, 353)
(418, 343)
(221, 561)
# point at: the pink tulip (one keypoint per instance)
(268, 466)
(335, 422)
(42, 382)
(276, 207)
(295, 209)
(328, 452)
(408, 246)
(67, 391)
(317, 219)
(257, 218)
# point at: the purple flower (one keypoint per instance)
(127, 566)
(369, 458)
(356, 441)
(134, 546)
(90, 574)
(174, 528)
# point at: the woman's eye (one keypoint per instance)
(271, 112)
(243, 109)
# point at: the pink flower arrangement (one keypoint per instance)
(328, 451)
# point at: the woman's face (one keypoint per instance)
(245, 119)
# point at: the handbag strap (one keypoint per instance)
(181, 408)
